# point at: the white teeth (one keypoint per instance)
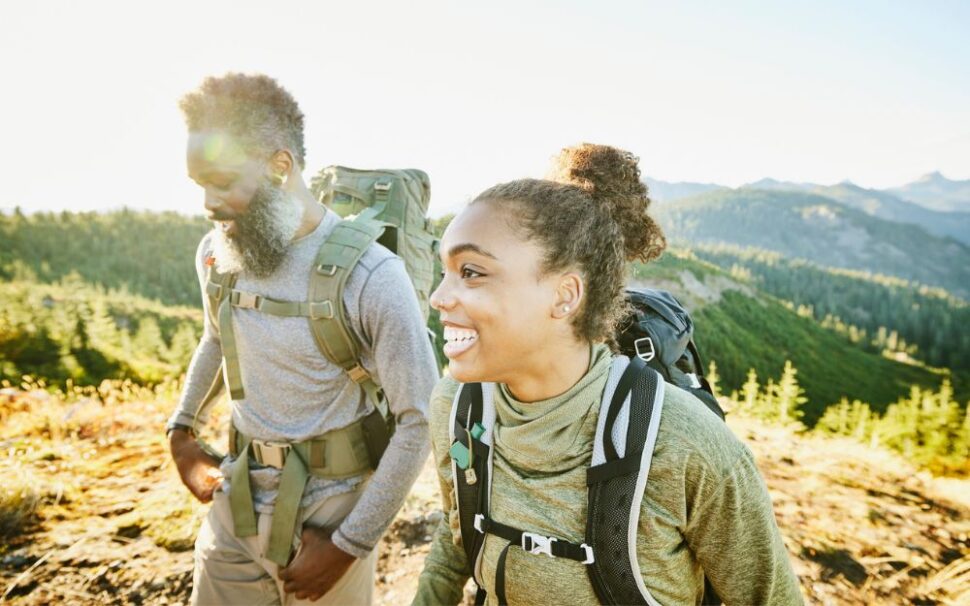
(459, 335)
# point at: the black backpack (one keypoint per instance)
(658, 333)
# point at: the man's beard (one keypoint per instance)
(261, 236)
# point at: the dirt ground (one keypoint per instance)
(115, 525)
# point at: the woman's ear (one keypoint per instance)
(569, 295)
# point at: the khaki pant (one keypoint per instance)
(232, 570)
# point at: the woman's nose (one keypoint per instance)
(441, 298)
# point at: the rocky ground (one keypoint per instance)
(112, 525)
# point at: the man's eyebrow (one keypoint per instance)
(457, 249)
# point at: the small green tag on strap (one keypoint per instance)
(460, 453)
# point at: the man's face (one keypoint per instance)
(255, 219)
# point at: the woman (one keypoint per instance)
(532, 289)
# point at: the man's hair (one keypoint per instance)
(255, 109)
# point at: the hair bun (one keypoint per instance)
(611, 177)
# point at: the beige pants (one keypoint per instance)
(232, 570)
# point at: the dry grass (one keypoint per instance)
(100, 517)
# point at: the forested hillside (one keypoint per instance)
(148, 253)
(75, 329)
(809, 226)
(741, 329)
(879, 313)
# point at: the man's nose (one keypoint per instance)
(212, 203)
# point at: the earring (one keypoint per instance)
(565, 309)
(279, 180)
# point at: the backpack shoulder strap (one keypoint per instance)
(218, 285)
(336, 259)
(626, 434)
(471, 431)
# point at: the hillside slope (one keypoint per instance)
(115, 527)
(809, 226)
(741, 328)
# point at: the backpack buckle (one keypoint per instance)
(649, 352)
(479, 518)
(382, 186)
(537, 544)
(589, 554)
(271, 454)
(245, 300)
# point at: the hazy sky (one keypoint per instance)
(481, 92)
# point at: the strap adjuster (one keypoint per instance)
(479, 519)
(327, 269)
(245, 300)
(358, 374)
(536, 544)
(382, 186)
(271, 454)
(649, 351)
(589, 554)
(321, 310)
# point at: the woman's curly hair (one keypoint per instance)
(254, 108)
(590, 215)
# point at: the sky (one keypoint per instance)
(476, 93)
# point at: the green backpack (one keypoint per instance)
(398, 198)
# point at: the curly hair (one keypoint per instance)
(591, 215)
(254, 108)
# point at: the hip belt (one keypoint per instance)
(336, 455)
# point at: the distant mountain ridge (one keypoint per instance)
(883, 204)
(935, 191)
(806, 225)
(663, 191)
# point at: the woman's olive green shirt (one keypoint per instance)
(706, 508)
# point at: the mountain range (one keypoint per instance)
(806, 225)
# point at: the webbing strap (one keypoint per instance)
(241, 498)
(230, 355)
(292, 482)
(500, 576)
(276, 307)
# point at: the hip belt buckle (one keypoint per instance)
(536, 543)
(271, 454)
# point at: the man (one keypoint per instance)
(245, 149)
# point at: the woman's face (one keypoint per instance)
(499, 313)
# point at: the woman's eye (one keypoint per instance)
(467, 273)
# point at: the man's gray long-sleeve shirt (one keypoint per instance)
(292, 392)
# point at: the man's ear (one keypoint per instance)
(281, 167)
(569, 295)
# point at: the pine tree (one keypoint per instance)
(791, 396)
(749, 391)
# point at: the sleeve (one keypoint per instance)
(446, 568)
(207, 359)
(732, 531)
(392, 322)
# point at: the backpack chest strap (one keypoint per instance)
(286, 309)
(535, 543)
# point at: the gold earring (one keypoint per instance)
(279, 180)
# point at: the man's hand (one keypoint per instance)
(198, 469)
(317, 566)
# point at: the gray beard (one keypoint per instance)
(262, 235)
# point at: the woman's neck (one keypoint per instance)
(553, 375)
